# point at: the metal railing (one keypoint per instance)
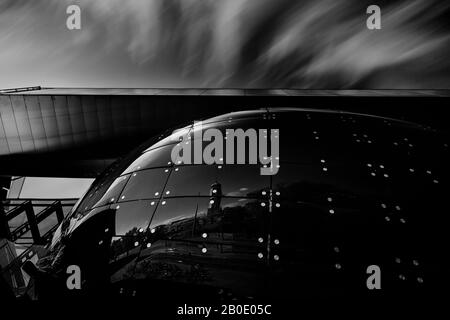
(29, 214)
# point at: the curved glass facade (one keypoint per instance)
(351, 191)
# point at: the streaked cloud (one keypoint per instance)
(228, 43)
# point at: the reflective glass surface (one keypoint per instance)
(351, 191)
(114, 191)
(133, 217)
(146, 184)
(154, 158)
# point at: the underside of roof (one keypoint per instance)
(77, 132)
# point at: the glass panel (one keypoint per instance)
(113, 193)
(209, 218)
(303, 248)
(232, 219)
(122, 247)
(170, 137)
(237, 116)
(327, 243)
(242, 180)
(133, 217)
(96, 191)
(174, 218)
(301, 225)
(207, 241)
(225, 180)
(147, 184)
(160, 157)
(315, 182)
(123, 254)
(309, 137)
(167, 260)
(194, 180)
(250, 129)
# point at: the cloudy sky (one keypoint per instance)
(225, 43)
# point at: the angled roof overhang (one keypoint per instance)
(77, 132)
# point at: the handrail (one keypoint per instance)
(33, 219)
(11, 214)
(40, 199)
(32, 245)
(24, 256)
(38, 202)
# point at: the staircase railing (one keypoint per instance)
(36, 212)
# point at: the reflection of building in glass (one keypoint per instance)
(214, 213)
(352, 190)
(215, 198)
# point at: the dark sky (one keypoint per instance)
(321, 44)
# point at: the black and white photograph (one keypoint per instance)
(216, 159)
